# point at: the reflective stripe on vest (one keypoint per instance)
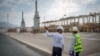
(78, 45)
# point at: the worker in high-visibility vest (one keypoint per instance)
(76, 46)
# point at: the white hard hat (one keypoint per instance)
(74, 28)
(60, 27)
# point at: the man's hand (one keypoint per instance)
(46, 28)
(70, 53)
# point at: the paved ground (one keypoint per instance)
(10, 47)
(90, 42)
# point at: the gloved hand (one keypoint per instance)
(71, 53)
(46, 28)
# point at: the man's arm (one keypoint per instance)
(73, 40)
(47, 32)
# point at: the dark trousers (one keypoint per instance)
(75, 54)
(57, 51)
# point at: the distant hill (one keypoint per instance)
(5, 25)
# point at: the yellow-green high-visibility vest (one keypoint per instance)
(78, 44)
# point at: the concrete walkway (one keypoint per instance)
(44, 44)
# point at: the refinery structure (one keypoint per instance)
(85, 23)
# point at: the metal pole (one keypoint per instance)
(99, 22)
(70, 21)
(7, 22)
(83, 20)
(71, 24)
(74, 21)
(83, 23)
(95, 19)
(78, 23)
(89, 24)
(44, 20)
(67, 22)
(64, 22)
(7, 18)
(99, 18)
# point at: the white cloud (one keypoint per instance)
(23, 1)
(29, 18)
(68, 7)
(6, 2)
(13, 4)
(61, 7)
(3, 16)
(88, 1)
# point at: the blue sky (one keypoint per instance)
(51, 9)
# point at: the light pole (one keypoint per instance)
(7, 18)
(44, 21)
(7, 22)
